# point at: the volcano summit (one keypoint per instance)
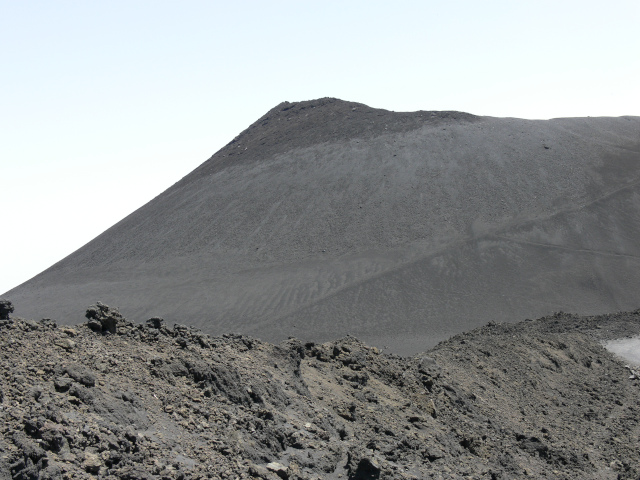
(328, 217)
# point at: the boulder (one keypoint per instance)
(155, 322)
(6, 307)
(103, 319)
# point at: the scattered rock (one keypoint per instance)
(65, 343)
(427, 364)
(80, 374)
(62, 384)
(278, 469)
(92, 462)
(66, 330)
(510, 399)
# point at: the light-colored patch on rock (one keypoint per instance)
(627, 348)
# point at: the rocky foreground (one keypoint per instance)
(117, 400)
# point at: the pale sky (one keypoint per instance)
(103, 105)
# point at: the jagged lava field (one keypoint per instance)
(120, 400)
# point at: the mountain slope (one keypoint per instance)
(329, 217)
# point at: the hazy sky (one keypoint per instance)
(103, 105)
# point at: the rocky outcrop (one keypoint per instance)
(541, 399)
(6, 308)
(104, 319)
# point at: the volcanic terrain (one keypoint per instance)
(326, 218)
(122, 400)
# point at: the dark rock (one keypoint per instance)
(258, 471)
(5, 470)
(175, 368)
(80, 375)
(155, 322)
(53, 438)
(95, 325)
(222, 380)
(52, 472)
(48, 323)
(362, 467)
(108, 318)
(278, 469)
(31, 461)
(28, 448)
(35, 392)
(6, 307)
(180, 329)
(62, 384)
(82, 393)
(31, 426)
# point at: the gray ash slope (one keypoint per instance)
(538, 399)
(328, 217)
